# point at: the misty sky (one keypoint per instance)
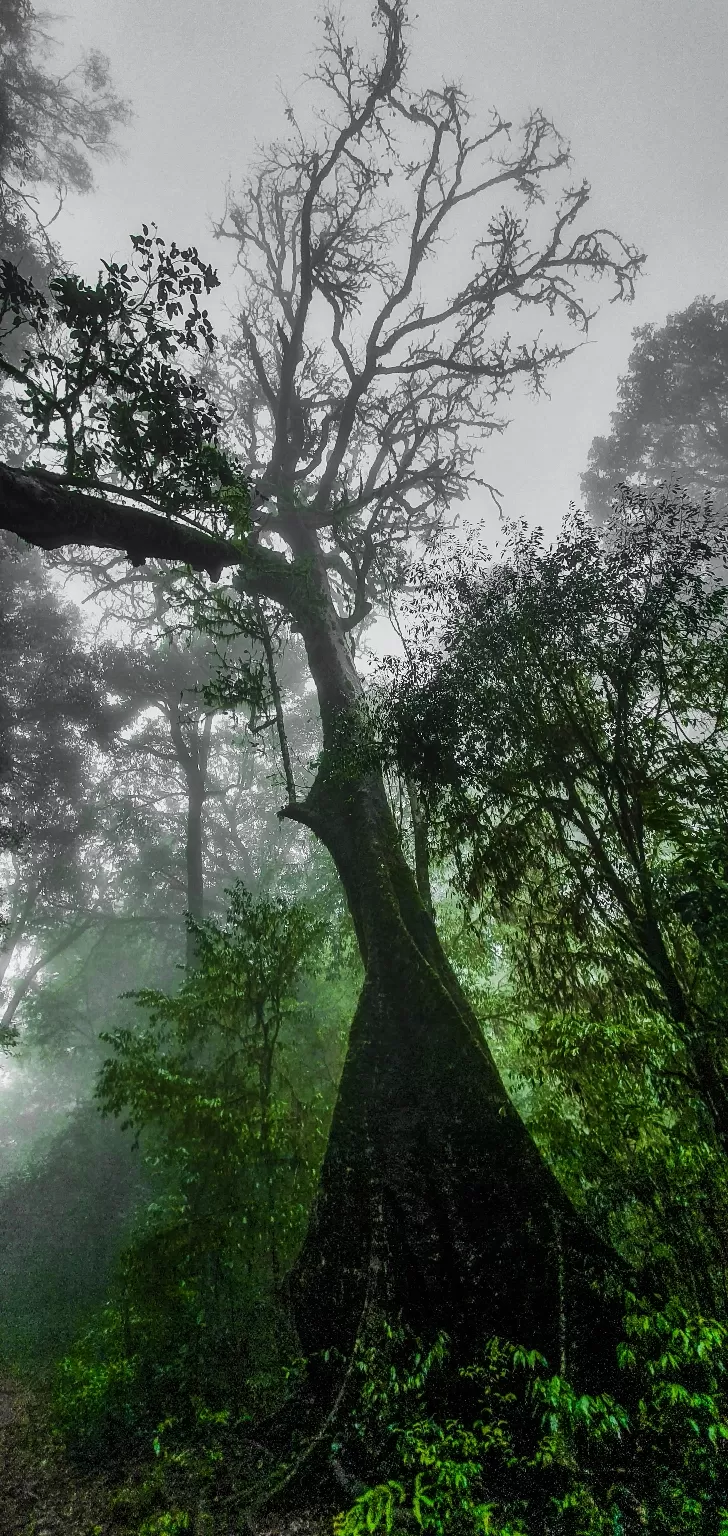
(637, 86)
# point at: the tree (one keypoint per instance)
(206, 1079)
(172, 737)
(51, 128)
(672, 415)
(198, 699)
(570, 738)
(74, 849)
(433, 1201)
(226, 1087)
(125, 799)
(55, 717)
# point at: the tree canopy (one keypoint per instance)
(400, 406)
(672, 412)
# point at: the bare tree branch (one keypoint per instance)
(350, 382)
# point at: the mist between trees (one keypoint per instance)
(364, 1107)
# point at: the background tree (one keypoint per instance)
(569, 735)
(67, 1205)
(55, 719)
(427, 1161)
(52, 127)
(223, 1082)
(127, 799)
(672, 412)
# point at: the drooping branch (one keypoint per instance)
(49, 514)
(44, 511)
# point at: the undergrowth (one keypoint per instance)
(502, 1446)
(530, 1455)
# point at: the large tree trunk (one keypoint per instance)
(432, 1188)
(433, 1200)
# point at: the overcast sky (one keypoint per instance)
(637, 86)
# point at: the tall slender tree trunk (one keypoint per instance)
(194, 866)
(433, 1195)
(421, 845)
(193, 758)
(701, 1047)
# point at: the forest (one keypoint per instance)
(363, 879)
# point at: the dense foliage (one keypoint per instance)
(226, 1085)
(618, 636)
(532, 1453)
(568, 736)
(104, 387)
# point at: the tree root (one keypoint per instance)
(286, 1478)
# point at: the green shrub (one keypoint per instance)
(532, 1455)
(171, 1523)
(233, 1128)
(96, 1392)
